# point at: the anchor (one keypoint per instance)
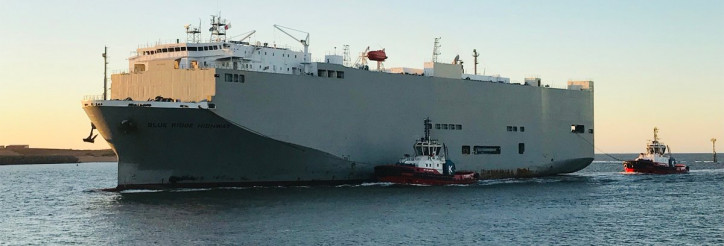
(91, 138)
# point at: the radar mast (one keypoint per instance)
(436, 50)
(218, 29)
(193, 33)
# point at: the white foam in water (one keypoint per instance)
(139, 191)
(378, 183)
(190, 189)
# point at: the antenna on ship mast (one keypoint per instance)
(105, 72)
(436, 50)
(346, 59)
(475, 63)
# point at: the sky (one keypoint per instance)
(654, 63)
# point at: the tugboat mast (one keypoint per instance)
(427, 129)
(656, 134)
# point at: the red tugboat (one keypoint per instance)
(655, 160)
(428, 166)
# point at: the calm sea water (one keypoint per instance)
(60, 204)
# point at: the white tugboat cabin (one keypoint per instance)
(429, 155)
(656, 151)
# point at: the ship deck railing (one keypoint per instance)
(92, 97)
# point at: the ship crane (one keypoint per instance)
(305, 43)
(362, 59)
(246, 35)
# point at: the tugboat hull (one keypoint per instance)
(401, 174)
(646, 166)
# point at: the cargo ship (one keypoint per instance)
(228, 112)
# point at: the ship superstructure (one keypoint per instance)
(228, 113)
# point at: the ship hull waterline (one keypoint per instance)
(196, 148)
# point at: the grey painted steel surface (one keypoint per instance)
(302, 128)
(169, 145)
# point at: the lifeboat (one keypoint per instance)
(377, 55)
(428, 167)
(655, 160)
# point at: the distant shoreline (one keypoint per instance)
(28, 156)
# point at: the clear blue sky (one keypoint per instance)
(654, 63)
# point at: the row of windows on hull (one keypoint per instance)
(489, 150)
(515, 128)
(330, 73)
(234, 78)
(449, 126)
(184, 48)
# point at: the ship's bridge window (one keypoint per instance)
(183, 48)
(340, 75)
(437, 126)
(177, 49)
(192, 48)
